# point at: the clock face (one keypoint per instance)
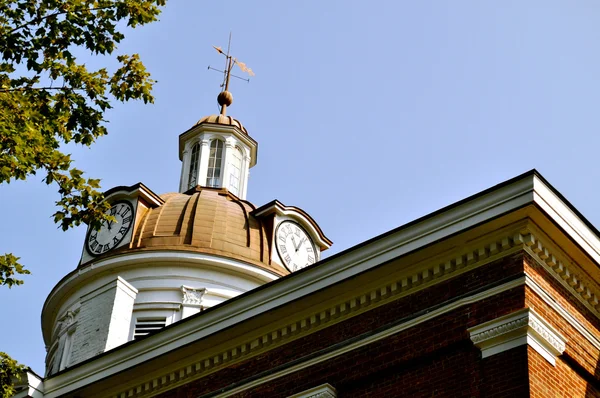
(111, 233)
(294, 246)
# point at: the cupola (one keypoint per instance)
(217, 152)
(164, 258)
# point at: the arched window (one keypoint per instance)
(213, 177)
(236, 172)
(193, 176)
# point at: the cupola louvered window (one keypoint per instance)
(144, 326)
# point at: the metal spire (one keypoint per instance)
(225, 98)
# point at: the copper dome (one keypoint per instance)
(204, 220)
(222, 119)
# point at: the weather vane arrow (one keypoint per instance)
(225, 98)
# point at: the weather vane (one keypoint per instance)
(225, 98)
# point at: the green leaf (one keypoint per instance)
(9, 371)
(60, 100)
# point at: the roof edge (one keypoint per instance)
(514, 194)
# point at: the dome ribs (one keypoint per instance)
(182, 217)
(246, 218)
(190, 214)
(255, 236)
(171, 216)
(136, 241)
(236, 226)
(264, 247)
(244, 201)
(222, 120)
(256, 232)
(151, 222)
(204, 220)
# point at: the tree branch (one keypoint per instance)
(40, 19)
(6, 90)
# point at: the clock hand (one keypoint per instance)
(294, 243)
(300, 243)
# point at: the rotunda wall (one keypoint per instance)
(156, 289)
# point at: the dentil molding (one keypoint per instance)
(562, 268)
(430, 273)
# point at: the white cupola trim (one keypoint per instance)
(216, 156)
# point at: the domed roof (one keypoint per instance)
(222, 119)
(204, 220)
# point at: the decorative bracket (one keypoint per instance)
(322, 391)
(192, 296)
(516, 329)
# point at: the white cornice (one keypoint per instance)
(237, 311)
(30, 386)
(447, 222)
(516, 329)
(393, 288)
(346, 265)
(322, 391)
(564, 215)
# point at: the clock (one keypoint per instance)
(111, 233)
(294, 246)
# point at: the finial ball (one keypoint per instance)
(225, 98)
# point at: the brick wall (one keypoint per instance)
(435, 357)
(557, 381)
(505, 374)
(577, 371)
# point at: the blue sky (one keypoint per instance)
(367, 114)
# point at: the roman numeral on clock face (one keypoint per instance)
(125, 211)
(294, 245)
(111, 233)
